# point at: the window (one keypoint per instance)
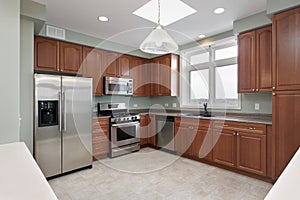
(210, 75)
(199, 84)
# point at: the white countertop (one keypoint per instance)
(20, 176)
(287, 185)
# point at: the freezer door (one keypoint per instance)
(47, 138)
(77, 123)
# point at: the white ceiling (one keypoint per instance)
(126, 28)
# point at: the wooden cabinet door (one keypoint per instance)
(246, 62)
(100, 138)
(224, 151)
(110, 63)
(46, 54)
(92, 67)
(251, 153)
(144, 130)
(124, 66)
(264, 59)
(152, 131)
(138, 72)
(286, 127)
(164, 76)
(286, 57)
(70, 57)
(202, 144)
(154, 78)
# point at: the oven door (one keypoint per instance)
(125, 133)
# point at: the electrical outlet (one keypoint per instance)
(135, 105)
(174, 105)
(256, 106)
(166, 104)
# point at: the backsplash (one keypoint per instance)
(247, 106)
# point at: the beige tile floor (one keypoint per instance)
(151, 174)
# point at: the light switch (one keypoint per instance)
(174, 105)
(166, 104)
(256, 106)
(135, 105)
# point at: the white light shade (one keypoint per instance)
(158, 42)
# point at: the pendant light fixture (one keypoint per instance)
(158, 41)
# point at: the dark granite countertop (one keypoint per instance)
(236, 117)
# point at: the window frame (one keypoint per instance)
(186, 68)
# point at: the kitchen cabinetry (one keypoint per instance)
(116, 65)
(92, 67)
(241, 145)
(254, 60)
(286, 57)
(56, 56)
(286, 127)
(70, 58)
(144, 121)
(139, 74)
(165, 77)
(100, 138)
(185, 133)
(152, 131)
(46, 57)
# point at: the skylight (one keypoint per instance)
(171, 11)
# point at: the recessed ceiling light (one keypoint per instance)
(201, 36)
(219, 11)
(103, 19)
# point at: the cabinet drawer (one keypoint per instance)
(239, 126)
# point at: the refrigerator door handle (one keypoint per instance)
(60, 109)
(64, 114)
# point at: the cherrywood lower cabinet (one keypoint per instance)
(100, 138)
(242, 146)
(286, 127)
(147, 131)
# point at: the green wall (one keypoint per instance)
(247, 104)
(26, 82)
(10, 70)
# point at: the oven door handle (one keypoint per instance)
(125, 124)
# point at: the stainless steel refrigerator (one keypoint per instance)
(63, 123)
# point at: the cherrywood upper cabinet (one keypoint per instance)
(92, 67)
(286, 127)
(70, 58)
(116, 65)
(286, 57)
(110, 63)
(165, 75)
(46, 56)
(246, 62)
(264, 59)
(254, 60)
(124, 66)
(140, 75)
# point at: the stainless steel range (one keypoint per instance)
(124, 128)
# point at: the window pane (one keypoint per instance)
(226, 82)
(200, 84)
(199, 58)
(229, 52)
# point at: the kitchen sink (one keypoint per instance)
(199, 115)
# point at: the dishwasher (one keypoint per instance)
(165, 132)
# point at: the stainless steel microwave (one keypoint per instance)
(118, 86)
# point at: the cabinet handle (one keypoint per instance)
(273, 88)
(253, 90)
(274, 94)
(251, 128)
(233, 133)
(190, 127)
(256, 90)
(237, 134)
